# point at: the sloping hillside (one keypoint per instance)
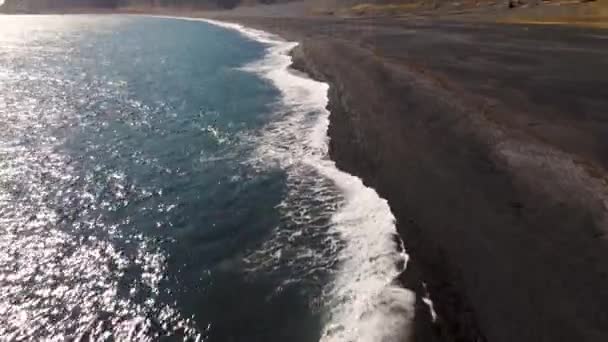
(319, 5)
(44, 5)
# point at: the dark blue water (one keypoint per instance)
(154, 185)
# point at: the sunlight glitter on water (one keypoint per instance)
(62, 272)
(65, 258)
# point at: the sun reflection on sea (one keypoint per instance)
(66, 269)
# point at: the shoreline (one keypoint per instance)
(425, 325)
(490, 205)
(365, 306)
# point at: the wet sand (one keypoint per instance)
(490, 143)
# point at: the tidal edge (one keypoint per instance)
(505, 227)
(347, 147)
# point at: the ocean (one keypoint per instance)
(166, 179)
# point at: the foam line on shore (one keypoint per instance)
(364, 302)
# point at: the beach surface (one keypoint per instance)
(489, 142)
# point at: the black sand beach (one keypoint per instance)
(489, 142)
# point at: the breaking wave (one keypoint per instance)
(341, 226)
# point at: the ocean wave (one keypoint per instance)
(363, 303)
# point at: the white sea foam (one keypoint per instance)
(363, 303)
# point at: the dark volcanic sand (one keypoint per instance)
(490, 143)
